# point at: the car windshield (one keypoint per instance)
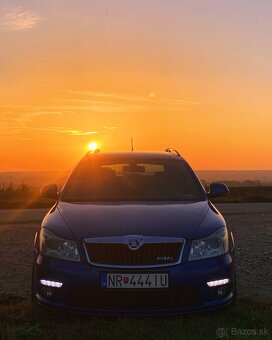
(102, 180)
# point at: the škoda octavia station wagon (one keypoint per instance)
(131, 234)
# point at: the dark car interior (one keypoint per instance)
(131, 181)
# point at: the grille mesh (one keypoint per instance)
(121, 254)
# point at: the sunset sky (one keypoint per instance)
(194, 75)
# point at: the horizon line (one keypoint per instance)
(57, 170)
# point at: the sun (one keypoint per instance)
(93, 146)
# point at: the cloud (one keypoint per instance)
(139, 102)
(103, 106)
(68, 131)
(18, 19)
(15, 119)
(78, 132)
(107, 95)
(85, 104)
(110, 127)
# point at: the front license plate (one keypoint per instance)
(116, 280)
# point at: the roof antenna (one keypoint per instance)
(132, 147)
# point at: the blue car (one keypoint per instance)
(134, 233)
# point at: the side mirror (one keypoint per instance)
(218, 190)
(50, 191)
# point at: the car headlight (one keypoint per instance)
(214, 245)
(54, 246)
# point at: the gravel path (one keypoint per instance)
(251, 224)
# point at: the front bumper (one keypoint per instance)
(81, 291)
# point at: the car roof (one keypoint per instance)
(135, 155)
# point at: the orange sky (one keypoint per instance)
(194, 75)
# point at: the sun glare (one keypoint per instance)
(93, 146)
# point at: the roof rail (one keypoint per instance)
(173, 152)
(92, 152)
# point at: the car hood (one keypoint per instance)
(147, 219)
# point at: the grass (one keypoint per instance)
(258, 194)
(24, 196)
(19, 320)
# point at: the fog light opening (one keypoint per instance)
(217, 282)
(221, 292)
(54, 284)
(47, 292)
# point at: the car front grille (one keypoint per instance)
(148, 254)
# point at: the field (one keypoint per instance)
(22, 196)
(252, 227)
(247, 195)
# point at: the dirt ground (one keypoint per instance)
(251, 224)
